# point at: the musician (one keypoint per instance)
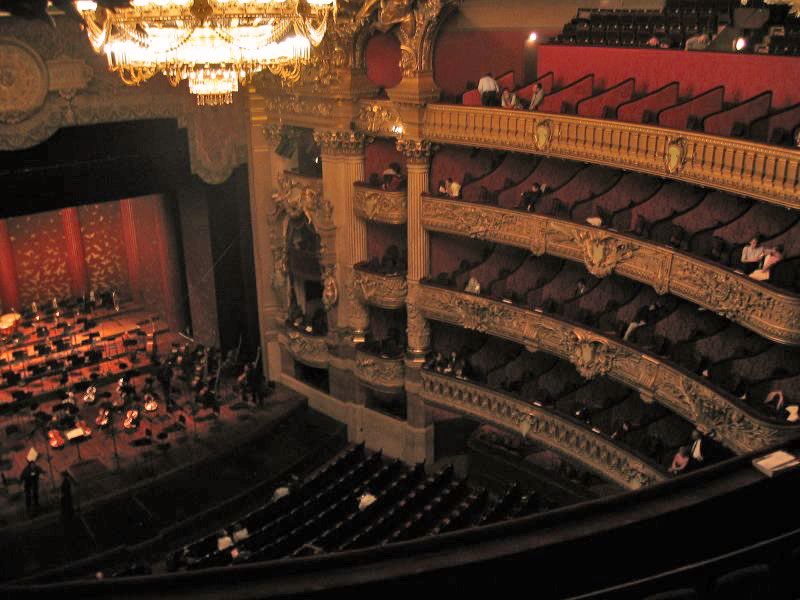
(165, 379)
(30, 481)
(255, 384)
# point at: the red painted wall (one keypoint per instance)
(462, 56)
(379, 154)
(382, 56)
(742, 75)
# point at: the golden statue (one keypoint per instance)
(391, 13)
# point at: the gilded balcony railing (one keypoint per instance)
(376, 289)
(736, 425)
(761, 308)
(595, 450)
(309, 349)
(381, 372)
(760, 171)
(379, 205)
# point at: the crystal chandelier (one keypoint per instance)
(215, 45)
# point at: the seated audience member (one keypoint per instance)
(473, 286)
(595, 220)
(772, 257)
(239, 533)
(530, 198)
(653, 42)
(390, 177)
(621, 430)
(489, 90)
(442, 189)
(680, 460)
(777, 397)
(509, 100)
(700, 41)
(453, 188)
(580, 288)
(797, 138)
(538, 96)
(752, 254)
(696, 451)
(792, 412)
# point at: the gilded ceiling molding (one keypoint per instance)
(761, 171)
(384, 291)
(339, 142)
(768, 311)
(735, 423)
(594, 450)
(380, 205)
(384, 374)
(311, 350)
(416, 152)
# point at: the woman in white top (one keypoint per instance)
(473, 286)
(752, 254)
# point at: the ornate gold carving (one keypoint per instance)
(299, 197)
(771, 313)
(382, 373)
(591, 355)
(379, 118)
(295, 104)
(544, 426)
(379, 205)
(273, 132)
(761, 171)
(385, 291)
(23, 81)
(675, 155)
(602, 252)
(468, 220)
(330, 291)
(308, 349)
(340, 142)
(415, 151)
(543, 134)
(736, 426)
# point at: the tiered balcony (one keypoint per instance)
(694, 398)
(305, 347)
(375, 204)
(379, 370)
(379, 289)
(568, 436)
(771, 312)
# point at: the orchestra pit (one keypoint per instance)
(313, 298)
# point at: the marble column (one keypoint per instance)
(9, 289)
(417, 154)
(76, 257)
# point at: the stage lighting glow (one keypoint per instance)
(740, 44)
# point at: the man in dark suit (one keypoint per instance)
(30, 481)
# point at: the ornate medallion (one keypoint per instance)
(675, 155)
(23, 81)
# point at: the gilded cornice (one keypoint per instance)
(760, 171)
(736, 425)
(761, 308)
(595, 450)
(380, 205)
(308, 349)
(384, 291)
(385, 374)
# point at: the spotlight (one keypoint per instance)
(740, 44)
(533, 37)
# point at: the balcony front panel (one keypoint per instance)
(695, 399)
(383, 291)
(760, 171)
(311, 350)
(764, 309)
(595, 450)
(384, 374)
(379, 205)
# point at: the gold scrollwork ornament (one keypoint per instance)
(675, 155)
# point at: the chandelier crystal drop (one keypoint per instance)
(215, 45)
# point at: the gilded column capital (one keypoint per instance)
(273, 132)
(340, 143)
(416, 152)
